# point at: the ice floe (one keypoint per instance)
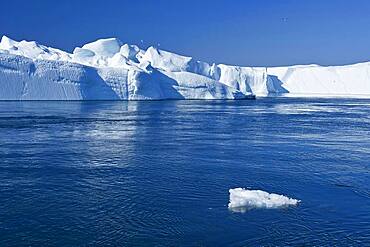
(242, 199)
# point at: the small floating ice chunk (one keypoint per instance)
(242, 199)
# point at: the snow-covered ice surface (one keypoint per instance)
(243, 199)
(108, 69)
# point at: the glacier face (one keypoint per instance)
(107, 69)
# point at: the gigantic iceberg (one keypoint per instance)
(108, 69)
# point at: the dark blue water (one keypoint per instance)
(158, 173)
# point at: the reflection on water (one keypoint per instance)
(158, 173)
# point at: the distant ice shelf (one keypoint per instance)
(108, 69)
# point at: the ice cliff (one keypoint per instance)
(107, 69)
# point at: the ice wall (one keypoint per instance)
(107, 69)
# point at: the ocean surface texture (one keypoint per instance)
(159, 173)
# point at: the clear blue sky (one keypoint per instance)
(244, 32)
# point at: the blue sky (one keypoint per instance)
(244, 32)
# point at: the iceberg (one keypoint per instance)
(242, 199)
(108, 69)
(105, 69)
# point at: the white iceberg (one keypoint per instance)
(108, 69)
(103, 70)
(242, 199)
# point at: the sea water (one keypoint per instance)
(159, 173)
